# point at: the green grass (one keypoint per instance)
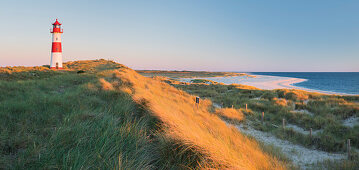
(59, 123)
(203, 81)
(64, 120)
(328, 113)
(339, 165)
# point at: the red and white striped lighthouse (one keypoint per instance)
(56, 50)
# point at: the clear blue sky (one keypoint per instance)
(216, 35)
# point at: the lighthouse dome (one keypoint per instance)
(56, 23)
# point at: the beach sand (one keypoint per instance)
(264, 82)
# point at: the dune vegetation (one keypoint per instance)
(194, 127)
(187, 74)
(324, 114)
(102, 115)
(230, 114)
(65, 120)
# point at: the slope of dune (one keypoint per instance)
(194, 127)
(98, 114)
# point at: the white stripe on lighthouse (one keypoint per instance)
(56, 57)
(56, 37)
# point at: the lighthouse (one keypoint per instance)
(56, 50)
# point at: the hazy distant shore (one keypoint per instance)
(265, 82)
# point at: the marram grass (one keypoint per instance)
(105, 119)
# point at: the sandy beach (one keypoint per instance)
(264, 82)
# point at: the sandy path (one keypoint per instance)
(301, 130)
(351, 121)
(299, 155)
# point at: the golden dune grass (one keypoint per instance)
(280, 101)
(197, 127)
(294, 94)
(246, 87)
(17, 69)
(105, 84)
(230, 114)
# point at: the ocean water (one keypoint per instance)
(340, 82)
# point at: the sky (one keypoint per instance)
(211, 35)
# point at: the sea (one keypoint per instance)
(339, 82)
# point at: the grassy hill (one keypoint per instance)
(102, 115)
(329, 116)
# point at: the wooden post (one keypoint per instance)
(310, 134)
(232, 106)
(246, 107)
(197, 102)
(283, 123)
(348, 148)
(262, 117)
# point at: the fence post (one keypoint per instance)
(232, 106)
(283, 124)
(262, 117)
(348, 148)
(310, 134)
(246, 107)
(197, 101)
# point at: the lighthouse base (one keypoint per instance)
(56, 60)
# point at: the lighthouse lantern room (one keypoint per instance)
(56, 50)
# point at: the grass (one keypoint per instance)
(344, 164)
(230, 115)
(326, 112)
(222, 146)
(101, 115)
(62, 122)
(204, 81)
(186, 74)
(22, 73)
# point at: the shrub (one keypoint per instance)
(292, 94)
(280, 102)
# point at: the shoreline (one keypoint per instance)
(266, 82)
(289, 83)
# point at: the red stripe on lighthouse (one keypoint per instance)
(56, 30)
(56, 47)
